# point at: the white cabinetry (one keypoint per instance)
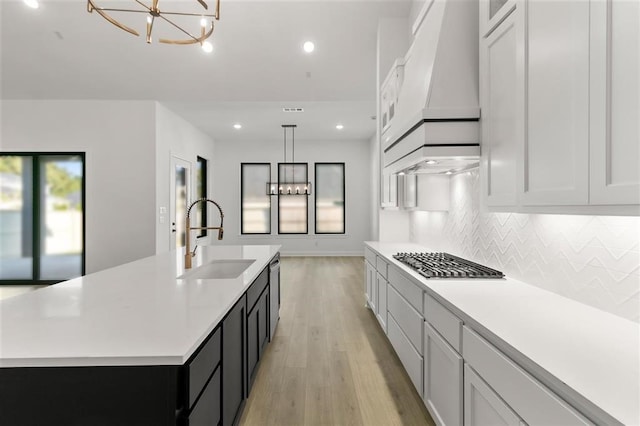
(556, 150)
(615, 102)
(492, 13)
(530, 399)
(443, 384)
(502, 76)
(370, 276)
(389, 93)
(389, 190)
(442, 379)
(405, 322)
(482, 406)
(560, 98)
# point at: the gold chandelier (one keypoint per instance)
(153, 12)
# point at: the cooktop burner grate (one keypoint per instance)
(445, 265)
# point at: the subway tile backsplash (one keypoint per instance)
(592, 259)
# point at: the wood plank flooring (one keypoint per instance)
(329, 362)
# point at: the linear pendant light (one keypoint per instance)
(289, 186)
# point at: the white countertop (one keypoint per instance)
(594, 353)
(134, 314)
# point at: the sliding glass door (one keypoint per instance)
(41, 217)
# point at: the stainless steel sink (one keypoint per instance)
(218, 269)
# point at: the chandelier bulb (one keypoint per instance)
(149, 19)
(207, 47)
(203, 23)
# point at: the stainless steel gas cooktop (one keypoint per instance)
(445, 265)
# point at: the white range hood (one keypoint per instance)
(435, 126)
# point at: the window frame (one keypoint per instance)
(344, 198)
(242, 232)
(36, 215)
(306, 179)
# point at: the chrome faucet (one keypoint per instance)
(188, 254)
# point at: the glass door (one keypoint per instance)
(180, 198)
(41, 217)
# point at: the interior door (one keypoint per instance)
(180, 198)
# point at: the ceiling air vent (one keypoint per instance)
(292, 109)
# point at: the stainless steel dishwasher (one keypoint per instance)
(274, 294)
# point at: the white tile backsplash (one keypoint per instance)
(592, 259)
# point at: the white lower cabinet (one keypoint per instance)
(530, 399)
(370, 277)
(443, 384)
(409, 357)
(482, 406)
(381, 307)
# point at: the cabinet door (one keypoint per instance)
(207, 410)
(492, 13)
(556, 156)
(409, 190)
(381, 313)
(482, 406)
(389, 190)
(615, 102)
(263, 321)
(443, 385)
(253, 343)
(233, 362)
(502, 95)
(370, 274)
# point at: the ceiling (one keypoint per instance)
(257, 67)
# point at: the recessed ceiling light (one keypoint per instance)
(448, 172)
(32, 3)
(308, 46)
(237, 126)
(207, 47)
(339, 126)
(432, 162)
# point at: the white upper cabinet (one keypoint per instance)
(615, 102)
(502, 83)
(556, 142)
(560, 97)
(492, 13)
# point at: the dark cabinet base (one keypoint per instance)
(96, 396)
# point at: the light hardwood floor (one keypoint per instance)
(329, 362)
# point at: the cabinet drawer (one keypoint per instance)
(448, 325)
(381, 266)
(410, 358)
(254, 292)
(207, 410)
(202, 364)
(370, 256)
(405, 287)
(533, 402)
(409, 320)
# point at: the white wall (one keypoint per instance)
(592, 259)
(355, 155)
(177, 137)
(119, 140)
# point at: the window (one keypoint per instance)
(41, 217)
(201, 192)
(329, 198)
(255, 210)
(292, 209)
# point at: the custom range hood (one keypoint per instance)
(430, 98)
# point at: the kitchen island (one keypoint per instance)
(486, 351)
(133, 344)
